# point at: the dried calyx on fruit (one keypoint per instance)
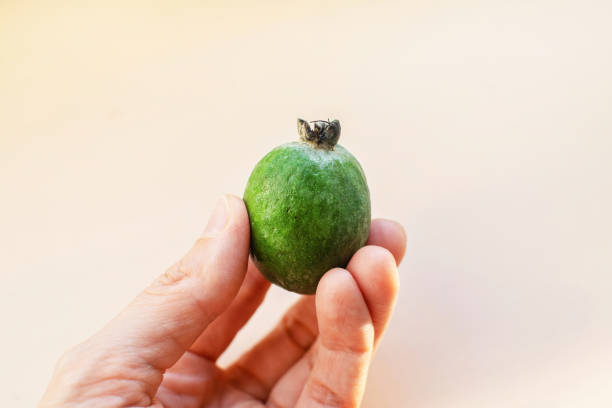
(324, 134)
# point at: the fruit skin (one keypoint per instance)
(309, 210)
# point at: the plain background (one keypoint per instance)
(485, 127)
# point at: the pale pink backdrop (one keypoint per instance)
(484, 127)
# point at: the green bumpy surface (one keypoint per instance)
(309, 211)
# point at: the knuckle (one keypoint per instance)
(357, 343)
(171, 279)
(357, 349)
(174, 274)
(245, 379)
(297, 331)
(322, 394)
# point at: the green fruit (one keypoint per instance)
(309, 208)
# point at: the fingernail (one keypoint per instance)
(217, 219)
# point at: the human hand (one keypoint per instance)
(161, 350)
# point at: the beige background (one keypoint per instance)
(485, 127)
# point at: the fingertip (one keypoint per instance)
(219, 259)
(388, 234)
(342, 313)
(239, 222)
(233, 243)
(374, 266)
(375, 271)
(234, 199)
(336, 283)
(344, 347)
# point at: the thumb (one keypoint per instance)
(168, 316)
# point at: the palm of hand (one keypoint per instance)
(161, 351)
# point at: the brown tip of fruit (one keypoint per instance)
(324, 134)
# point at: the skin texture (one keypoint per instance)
(160, 351)
(309, 211)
